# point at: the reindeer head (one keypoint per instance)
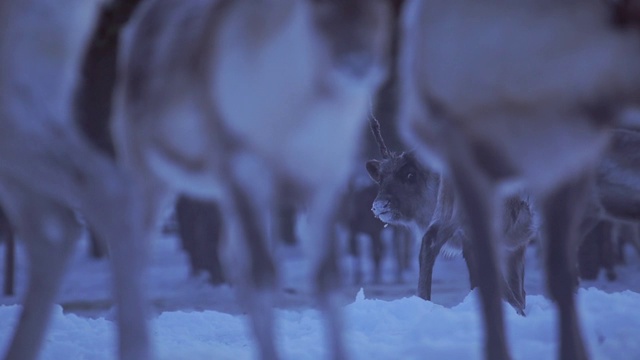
(407, 190)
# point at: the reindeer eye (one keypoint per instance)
(410, 175)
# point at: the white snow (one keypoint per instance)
(196, 321)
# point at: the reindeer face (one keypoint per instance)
(357, 33)
(407, 190)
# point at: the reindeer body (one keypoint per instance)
(617, 190)
(49, 170)
(228, 100)
(500, 94)
(217, 80)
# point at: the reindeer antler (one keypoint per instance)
(375, 129)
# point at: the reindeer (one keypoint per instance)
(412, 195)
(49, 170)
(199, 227)
(357, 220)
(615, 202)
(597, 250)
(225, 100)
(503, 95)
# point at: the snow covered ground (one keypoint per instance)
(196, 321)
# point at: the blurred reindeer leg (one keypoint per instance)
(257, 289)
(49, 232)
(327, 268)
(481, 207)
(608, 251)
(561, 213)
(378, 252)
(128, 219)
(480, 219)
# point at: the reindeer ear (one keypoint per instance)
(373, 168)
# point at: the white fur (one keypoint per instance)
(309, 136)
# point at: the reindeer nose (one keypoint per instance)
(380, 206)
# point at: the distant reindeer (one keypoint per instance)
(500, 95)
(199, 226)
(49, 170)
(357, 220)
(411, 195)
(226, 100)
(615, 205)
(597, 251)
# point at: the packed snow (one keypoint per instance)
(194, 320)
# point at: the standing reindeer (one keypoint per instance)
(616, 189)
(614, 210)
(502, 94)
(49, 170)
(226, 100)
(411, 195)
(357, 220)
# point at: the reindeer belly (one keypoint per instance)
(282, 100)
(481, 55)
(488, 79)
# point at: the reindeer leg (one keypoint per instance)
(256, 287)
(377, 249)
(355, 249)
(514, 290)
(127, 218)
(399, 251)
(9, 255)
(509, 287)
(480, 209)
(560, 211)
(467, 254)
(429, 250)
(607, 250)
(589, 252)
(49, 232)
(513, 287)
(326, 269)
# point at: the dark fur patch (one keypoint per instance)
(626, 14)
(492, 161)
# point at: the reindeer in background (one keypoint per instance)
(614, 209)
(411, 195)
(226, 100)
(500, 95)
